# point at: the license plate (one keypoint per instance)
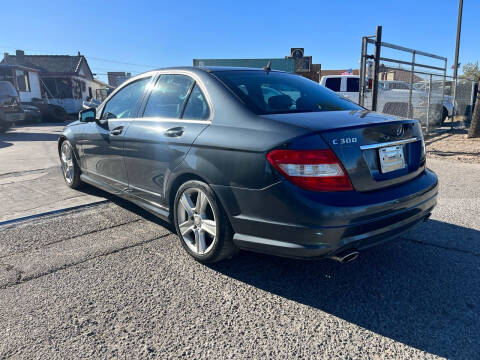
(391, 158)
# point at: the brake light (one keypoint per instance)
(315, 170)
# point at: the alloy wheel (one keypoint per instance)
(66, 158)
(196, 221)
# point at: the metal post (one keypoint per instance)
(378, 45)
(443, 85)
(454, 111)
(410, 110)
(428, 103)
(361, 90)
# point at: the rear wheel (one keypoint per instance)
(444, 115)
(70, 169)
(201, 223)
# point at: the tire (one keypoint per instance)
(197, 216)
(69, 166)
(5, 126)
(439, 115)
(444, 116)
(396, 108)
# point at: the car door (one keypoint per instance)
(103, 146)
(175, 112)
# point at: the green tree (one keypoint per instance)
(471, 71)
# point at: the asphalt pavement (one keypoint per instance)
(111, 281)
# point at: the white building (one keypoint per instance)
(64, 80)
(25, 80)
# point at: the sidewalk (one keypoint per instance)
(31, 182)
(34, 192)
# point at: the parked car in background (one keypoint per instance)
(32, 113)
(393, 97)
(10, 107)
(441, 112)
(49, 112)
(253, 159)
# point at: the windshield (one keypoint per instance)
(6, 88)
(276, 92)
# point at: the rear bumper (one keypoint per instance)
(285, 220)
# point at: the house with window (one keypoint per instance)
(25, 80)
(65, 80)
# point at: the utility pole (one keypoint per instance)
(457, 46)
(455, 64)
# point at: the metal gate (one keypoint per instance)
(413, 84)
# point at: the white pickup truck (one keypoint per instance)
(392, 97)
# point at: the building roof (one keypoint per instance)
(8, 66)
(49, 63)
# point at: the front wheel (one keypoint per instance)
(201, 223)
(70, 169)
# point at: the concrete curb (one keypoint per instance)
(53, 212)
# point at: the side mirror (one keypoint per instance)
(87, 115)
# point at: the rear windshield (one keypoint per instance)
(276, 92)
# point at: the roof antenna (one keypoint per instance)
(268, 68)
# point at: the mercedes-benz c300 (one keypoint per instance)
(253, 159)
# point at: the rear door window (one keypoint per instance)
(196, 107)
(333, 84)
(352, 84)
(168, 96)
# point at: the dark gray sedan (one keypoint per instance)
(253, 159)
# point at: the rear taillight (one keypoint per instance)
(315, 170)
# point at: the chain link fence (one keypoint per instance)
(414, 84)
(434, 100)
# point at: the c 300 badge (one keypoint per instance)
(343, 141)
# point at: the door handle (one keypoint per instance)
(117, 130)
(175, 132)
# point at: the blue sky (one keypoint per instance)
(168, 33)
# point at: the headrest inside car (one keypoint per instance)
(280, 102)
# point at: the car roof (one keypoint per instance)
(210, 69)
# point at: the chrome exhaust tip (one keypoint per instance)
(346, 256)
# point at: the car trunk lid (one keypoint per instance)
(376, 150)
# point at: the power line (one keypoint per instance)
(120, 62)
(5, 47)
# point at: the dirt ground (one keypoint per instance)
(453, 146)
